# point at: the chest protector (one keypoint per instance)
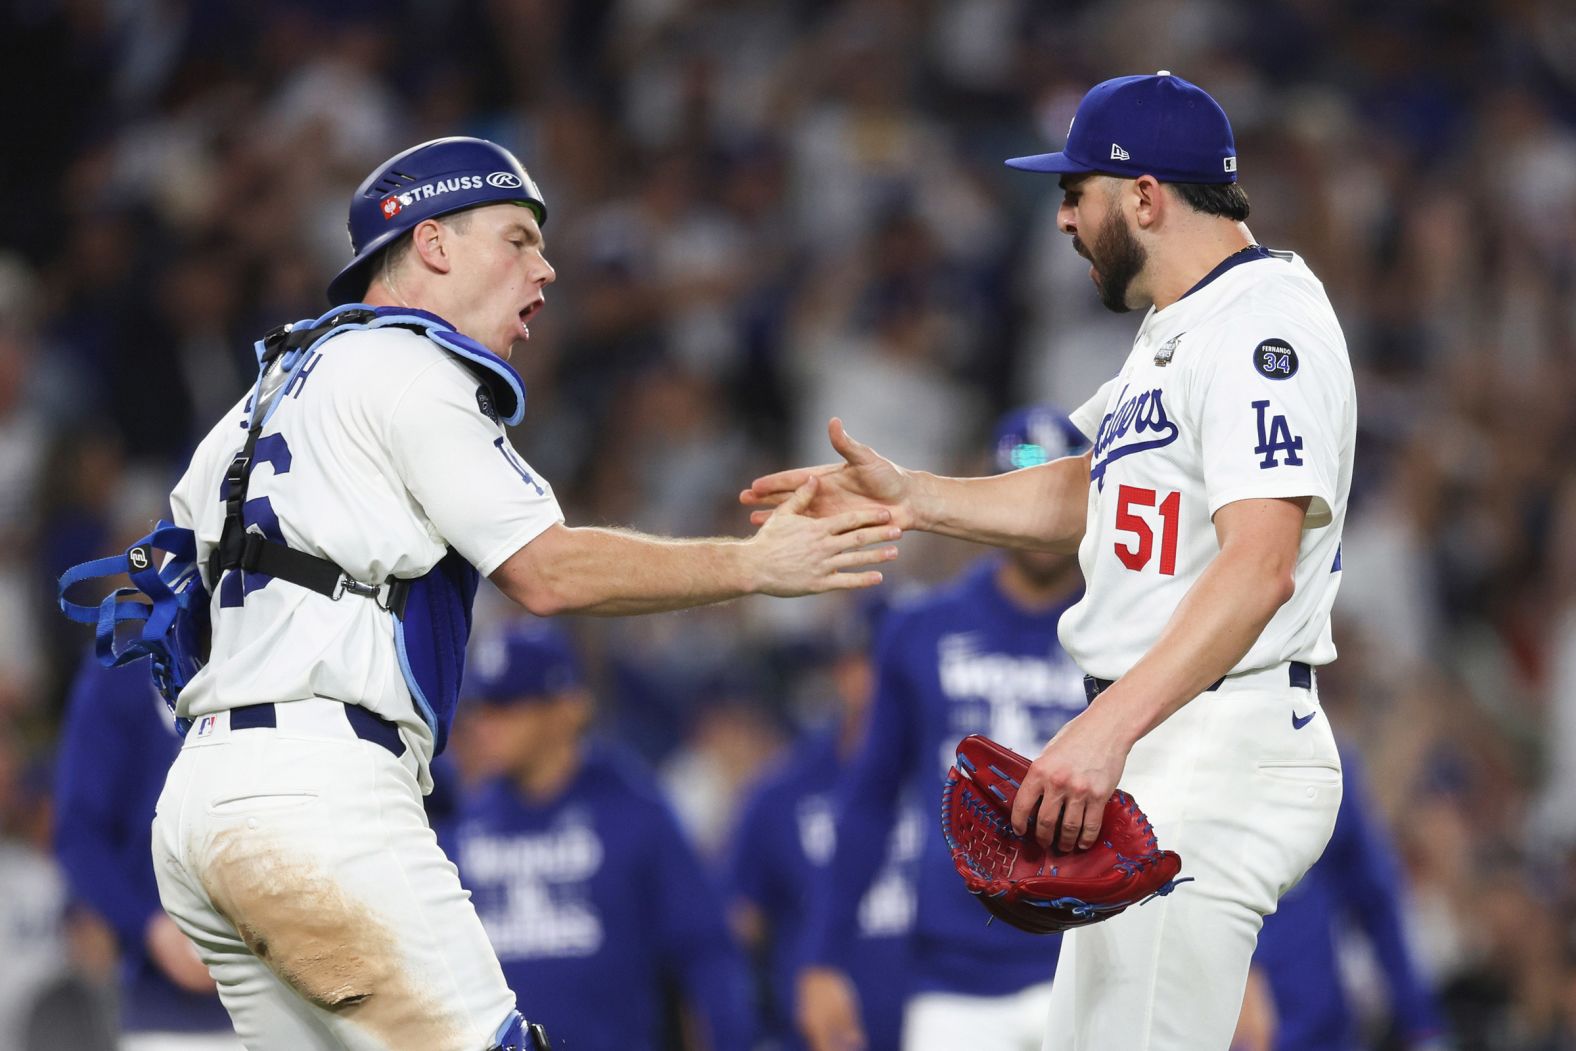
(431, 613)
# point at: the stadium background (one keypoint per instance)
(764, 212)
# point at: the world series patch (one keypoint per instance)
(1274, 359)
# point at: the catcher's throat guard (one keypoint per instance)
(1040, 890)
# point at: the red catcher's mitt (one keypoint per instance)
(1034, 889)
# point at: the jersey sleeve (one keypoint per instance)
(480, 496)
(1087, 416)
(1270, 406)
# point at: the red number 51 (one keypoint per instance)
(1137, 556)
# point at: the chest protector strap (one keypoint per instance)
(431, 612)
(280, 354)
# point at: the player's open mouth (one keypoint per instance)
(526, 315)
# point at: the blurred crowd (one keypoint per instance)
(767, 212)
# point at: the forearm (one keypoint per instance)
(1213, 627)
(1042, 508)
(613, 572)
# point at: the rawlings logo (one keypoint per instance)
(1142, 415)
(504, 180)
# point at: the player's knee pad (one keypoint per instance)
(516, 1034)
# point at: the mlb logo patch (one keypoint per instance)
(391, 207)
(206, 724)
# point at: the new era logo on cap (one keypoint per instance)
(1119, 154)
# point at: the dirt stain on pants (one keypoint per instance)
(331, 949)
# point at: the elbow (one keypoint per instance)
(1281, 586)
(541, 575)
(536, 591)
(542, 599)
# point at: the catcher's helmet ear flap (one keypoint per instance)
(1034, 435)
(435, 178)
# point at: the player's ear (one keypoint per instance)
(431, 241)
(1149, 201)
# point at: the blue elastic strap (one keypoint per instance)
(167, 598)
(99, 567)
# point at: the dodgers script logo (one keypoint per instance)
(1144, 417)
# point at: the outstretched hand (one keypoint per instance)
(864, 479)
(796, 554)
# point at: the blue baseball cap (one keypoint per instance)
(1157, 125)
(424, 182)
(1034, 435)
(524, 661)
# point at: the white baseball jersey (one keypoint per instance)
(1240, 390)
(380, 456)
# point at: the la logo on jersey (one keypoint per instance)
(1276, 439)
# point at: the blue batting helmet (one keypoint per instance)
(1034, 435)
(424, 182)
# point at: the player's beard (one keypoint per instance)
(1117, 258)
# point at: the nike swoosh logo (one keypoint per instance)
(1298, 723)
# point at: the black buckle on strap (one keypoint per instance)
(356, 587)
(389, 596)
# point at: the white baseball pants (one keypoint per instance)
(1245, 787)
(300, 862)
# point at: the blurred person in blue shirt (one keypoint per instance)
(594, 900)
(979, 655)
(116, 745)
(1357, 885)
(784, 840)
